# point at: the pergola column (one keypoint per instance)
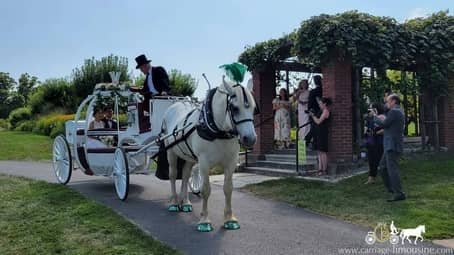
(446, 111)
(337, 84)
(264, 92)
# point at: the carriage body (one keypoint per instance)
(111, 152)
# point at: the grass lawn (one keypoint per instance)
(428, 182)
(24, 146)
(41, 218)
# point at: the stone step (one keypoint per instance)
(291, 151)
(287, 157)
(270, 171)
(284, 151)
(284, 165)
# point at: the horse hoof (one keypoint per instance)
(204, 227)
(232, 225)
(186, 208)
(173, 208)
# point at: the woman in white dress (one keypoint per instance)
(96, 123)
(282, 119)
(302, 97)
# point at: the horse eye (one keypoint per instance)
(235, 109)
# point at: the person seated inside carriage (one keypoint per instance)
(109, 121)
(96, 123)
(98, 119)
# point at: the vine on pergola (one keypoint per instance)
(425, 45)
(268, 53)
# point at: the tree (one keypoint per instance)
(139, 80)
(182, 84)
(26, 85)
(52, 95)
(96, 71)
(6, 85)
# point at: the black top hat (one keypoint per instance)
(141, 60)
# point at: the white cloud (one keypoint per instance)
(417, 13)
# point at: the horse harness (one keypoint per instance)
(206, 127)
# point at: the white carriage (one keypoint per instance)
(118, 152)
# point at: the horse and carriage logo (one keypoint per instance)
(383, 233)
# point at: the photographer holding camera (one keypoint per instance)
(393, 124)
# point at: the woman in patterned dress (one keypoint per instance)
(281, 106)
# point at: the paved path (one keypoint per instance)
(267, 227)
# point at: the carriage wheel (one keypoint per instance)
(121, 174)
(62, 160)
(195, 182)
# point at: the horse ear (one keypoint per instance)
(227, 86)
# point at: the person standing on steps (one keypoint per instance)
(281, 106)
(313, 106)
(302, 97)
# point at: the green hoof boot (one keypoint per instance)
(186, 208)
(173, 208)
(231, 225)
(204, 227)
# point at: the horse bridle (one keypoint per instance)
(230, 108)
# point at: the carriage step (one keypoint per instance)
(270, 171)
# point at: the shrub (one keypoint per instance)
(52, 94)
(58, 129)
(18, 115)
(52, 124)
(4, 124)
(27, 125)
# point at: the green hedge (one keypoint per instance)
(26, 126)
(52, 125)
(18, 115)
(4, 124)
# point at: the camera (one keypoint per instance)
(309, 111)
(371, 111)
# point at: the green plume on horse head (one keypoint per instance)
(235, 71)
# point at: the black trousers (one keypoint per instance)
(374, 153)
(389, 169)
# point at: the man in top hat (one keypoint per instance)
(156, 80)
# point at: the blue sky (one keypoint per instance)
(48, 38)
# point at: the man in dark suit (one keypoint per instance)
(109, 122)
(314, 95)
(156, 80)
(393, 138)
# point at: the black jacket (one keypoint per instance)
(160, 81)
(313, 94)
(106, 124)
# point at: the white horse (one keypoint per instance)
(225, 119)
(416, 232)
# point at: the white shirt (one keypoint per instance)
(150, 83)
